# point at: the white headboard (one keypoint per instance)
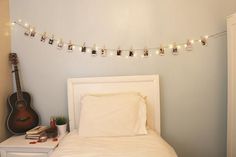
(147, 85)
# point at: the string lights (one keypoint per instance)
(175, 47)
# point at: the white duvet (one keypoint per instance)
(150, 145)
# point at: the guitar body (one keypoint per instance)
(22, 117)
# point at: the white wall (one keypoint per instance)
(231, 118)
(5, 72)
(193, 85)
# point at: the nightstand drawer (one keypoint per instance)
(17, 154)
(18, 146)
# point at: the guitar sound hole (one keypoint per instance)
(20, 105)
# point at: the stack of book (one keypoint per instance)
(36, 132)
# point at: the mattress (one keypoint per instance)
(150, 145)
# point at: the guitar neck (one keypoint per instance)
(18, 86)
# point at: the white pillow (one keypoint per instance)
(120, 114)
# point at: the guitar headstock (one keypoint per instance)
(13, 58)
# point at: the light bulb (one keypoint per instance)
(88, 50)
(26, 24)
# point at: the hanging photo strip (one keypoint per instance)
(60, 44)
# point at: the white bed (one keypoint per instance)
(149, 145)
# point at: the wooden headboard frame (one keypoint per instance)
(147, 85)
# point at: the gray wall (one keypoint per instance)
(193, 85)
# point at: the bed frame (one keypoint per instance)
(147, 85)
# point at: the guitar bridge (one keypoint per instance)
(23, 119)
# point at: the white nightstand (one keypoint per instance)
(18, 146)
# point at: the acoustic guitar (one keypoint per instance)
(22, 117)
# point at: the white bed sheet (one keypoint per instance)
(150, 145)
